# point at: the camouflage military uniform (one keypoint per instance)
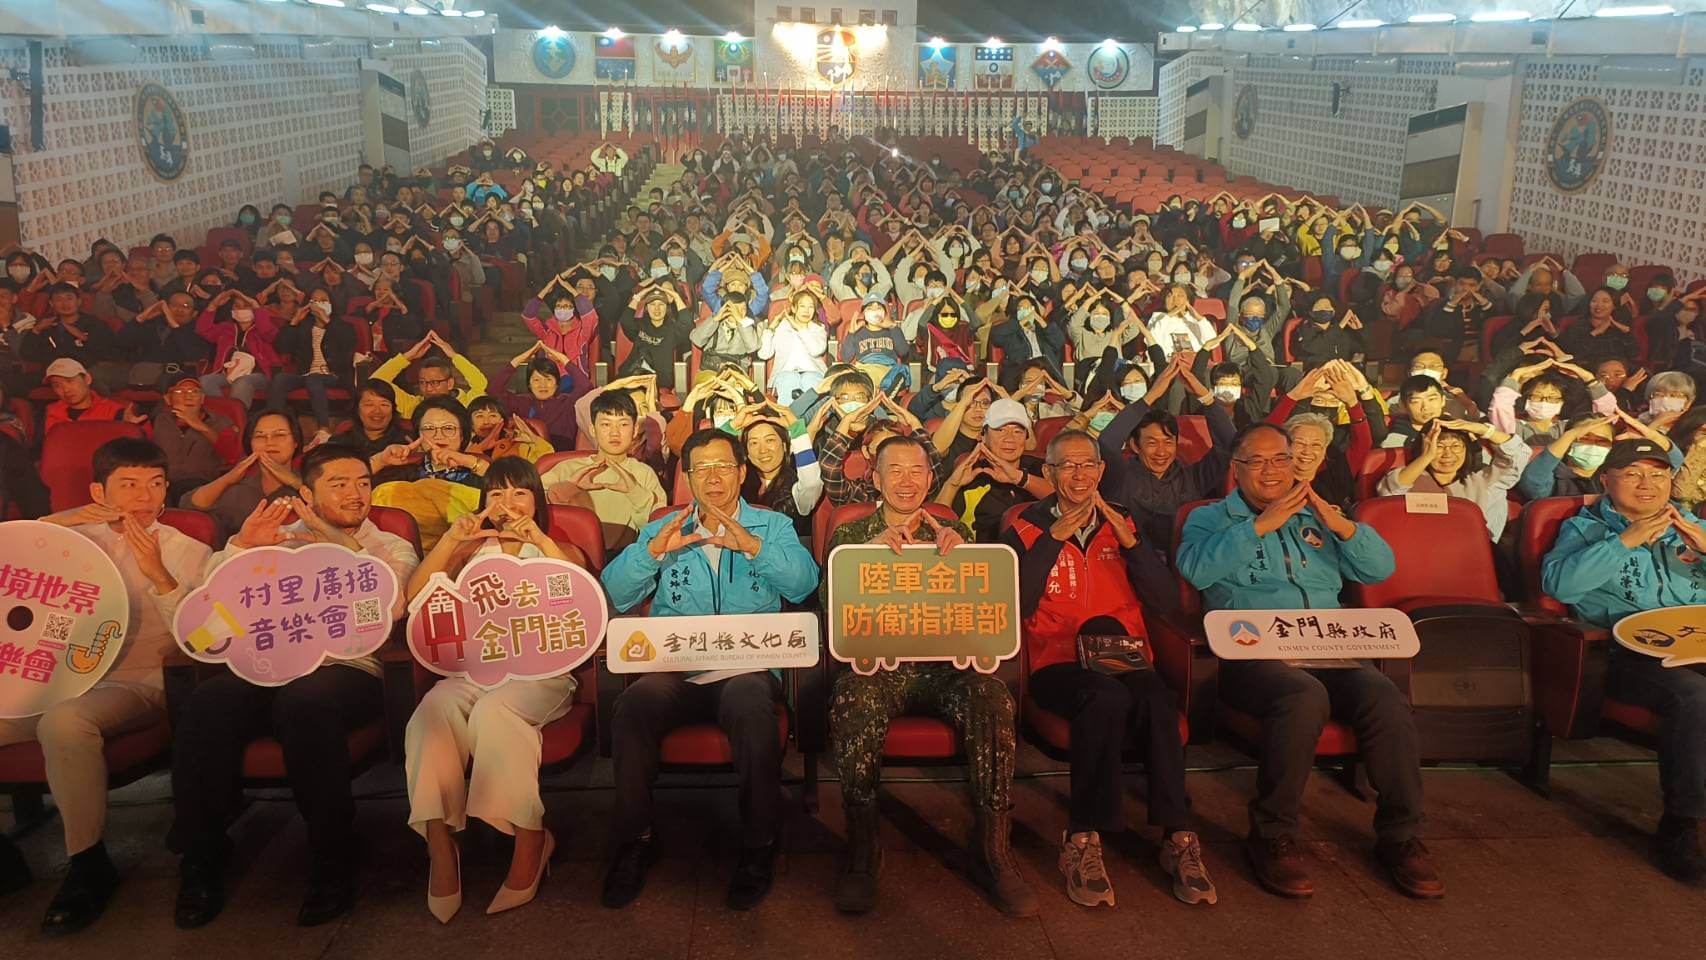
(977, 704)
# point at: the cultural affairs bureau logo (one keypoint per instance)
(1578, 145)
(162, 131)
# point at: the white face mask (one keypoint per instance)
(1437, 376)
(849, 406)
(1134, 391)
(1544, 409)
(321, 307)
(1039, 275)
(1100, 321)
(363, 257)
(933, 291)
(609, 272)
(457, 220)
(452, 244)
(1228, 394)
(1668, 404)
(1079, 263)
(660, 272)
(19, 274)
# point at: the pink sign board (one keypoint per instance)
(504, 618)
(274, 614)
(64, 612)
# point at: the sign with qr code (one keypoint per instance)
(64, 614)
(274, 614)
(504, 618)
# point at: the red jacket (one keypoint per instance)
(1061, 585)
(101, 408)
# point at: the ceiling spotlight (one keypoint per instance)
(732, 37)
(1187, 28)
(1433, 18)
(1359, 24)
(615, 33)
(1247, 27)
(993, 42)
(1659, 10)
(383, 8)
(1211, 27)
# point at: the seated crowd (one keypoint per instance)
(984, 355)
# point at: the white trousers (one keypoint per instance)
(72, 734)
(498, 730)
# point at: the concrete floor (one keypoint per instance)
(1559, 878)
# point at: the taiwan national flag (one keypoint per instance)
(613, 57)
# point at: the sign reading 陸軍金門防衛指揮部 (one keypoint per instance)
(886, 609)
(273, 614)
(727, 642)
(505, 618)
(64, 614)
(1350, 633)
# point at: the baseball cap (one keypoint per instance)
(1628, 452)
(171, 378)
(64, 367)
(1006, 411)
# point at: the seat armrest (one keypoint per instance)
(1570, 660)
(397, 679)
(1189, 668)
(606, 688)
(811, 705)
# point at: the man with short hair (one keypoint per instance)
(997, 474)
(611, 483)
(1423, 401)
(64, 330)
(1275, 544)
(717, 556)
(311, 716)
(1084, 570)
(436, 377)
(1629, 551)
(200, 444)
(77, 399)
(159, 566)
(978, 704)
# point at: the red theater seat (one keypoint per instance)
(66, 455)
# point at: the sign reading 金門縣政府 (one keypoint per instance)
(1349, 633)
(731, 642)
(1676, 635)
(885, 609)
(274, 614)
(64, 614)
(504, 618)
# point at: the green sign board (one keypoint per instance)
(920, 605)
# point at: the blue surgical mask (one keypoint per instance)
(1134, 391)
(1617, 283)
(1100, 421)
(1587, 456)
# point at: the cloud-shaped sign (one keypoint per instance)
(1676, 635)
(64, 613)
(274, 614)
(503, 618)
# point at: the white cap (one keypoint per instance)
(64, 367)
(1006, 411)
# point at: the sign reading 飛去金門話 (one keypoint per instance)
(273, 614)
(1349, 633)
(886, 609)
(64, 614)
(503, 618)
(1676, 635)
(728, 642)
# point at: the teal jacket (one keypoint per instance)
(1604, 581)
(685, 585)
(1300, 565)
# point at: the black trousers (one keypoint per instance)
(743, 706)
(1104, 711)
(1294, 704)
(311, 717)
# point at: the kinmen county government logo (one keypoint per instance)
(162, 132)
(1577, 146)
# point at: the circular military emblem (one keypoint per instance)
(1577, 146)
(161, 131)
(1244, 112)
(420, 98)
(837, 55)
(1108, 66)
(554, 56)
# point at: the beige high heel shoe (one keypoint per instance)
(446, 906)
(509, 898)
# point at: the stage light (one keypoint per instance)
(1187, 28)
(415, 10)
(1359, 24)
(1433, 18)
(672, 38)
(936, 43)
(1211, 27)
(1247, 27)
(471, 14)
(553, 31)
(1646, 11)
(732, 37)
(993, 42)
(383, 8)
(1051, 43)
(327, 3)
(1500, 16)
(1110, 44)
(1298, 27)
(615, 33)
(448, 12)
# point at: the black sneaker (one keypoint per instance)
(753, 876)
(201, 894)
(82, 898)
(627, 874)
(1677, 847)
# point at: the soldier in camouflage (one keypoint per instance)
(978, 705)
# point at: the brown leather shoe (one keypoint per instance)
(1279, 867)
(1412, 868)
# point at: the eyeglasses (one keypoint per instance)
(715, 468)
(1653, 478)
(442, 430)
(444, 381)
(1076, 466)
(981, 403)
(1260, 464)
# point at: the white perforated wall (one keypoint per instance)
(1176, 76)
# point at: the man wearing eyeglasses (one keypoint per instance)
(902, 477)
(718, 556)
(1629, 551)
(1084, 569)
(1275, 544)
(437, 375)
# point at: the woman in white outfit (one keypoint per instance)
(497, 729)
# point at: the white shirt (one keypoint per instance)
(150, 635)
(1163, 327)
(795, 350)
(388, 548)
